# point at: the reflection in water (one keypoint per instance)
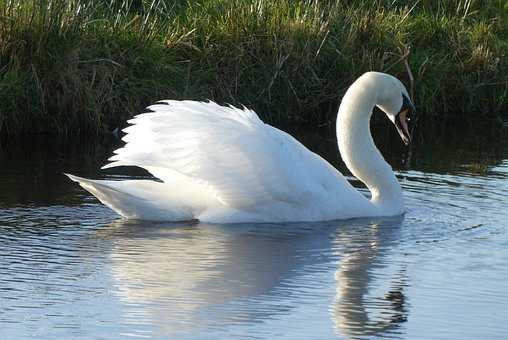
(356, 312)
(184, 278)
(185, 274)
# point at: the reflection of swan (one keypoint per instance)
(194, 278)
(223, 164)
(357, 311)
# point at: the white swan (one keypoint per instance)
(223, 164)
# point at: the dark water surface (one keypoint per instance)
(71, 269)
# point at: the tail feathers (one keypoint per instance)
(140, 199)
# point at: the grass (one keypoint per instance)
(76, 66)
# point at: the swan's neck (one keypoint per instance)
(359, 152)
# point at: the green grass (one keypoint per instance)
(76, 66)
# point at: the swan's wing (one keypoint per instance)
(230, 150)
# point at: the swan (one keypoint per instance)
(222, 164)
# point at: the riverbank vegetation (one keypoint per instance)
(76, 66)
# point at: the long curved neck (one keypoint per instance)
(358, 150)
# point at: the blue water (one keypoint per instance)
(71, 269)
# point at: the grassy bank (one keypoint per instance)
(86, 66)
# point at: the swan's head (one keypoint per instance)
(393, 99)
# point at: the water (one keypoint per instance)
(70, 268)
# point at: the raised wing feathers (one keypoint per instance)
(244, 161)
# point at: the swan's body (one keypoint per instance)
(223, 164)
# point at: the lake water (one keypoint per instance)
(71, 269)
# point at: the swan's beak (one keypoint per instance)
(403, 120)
